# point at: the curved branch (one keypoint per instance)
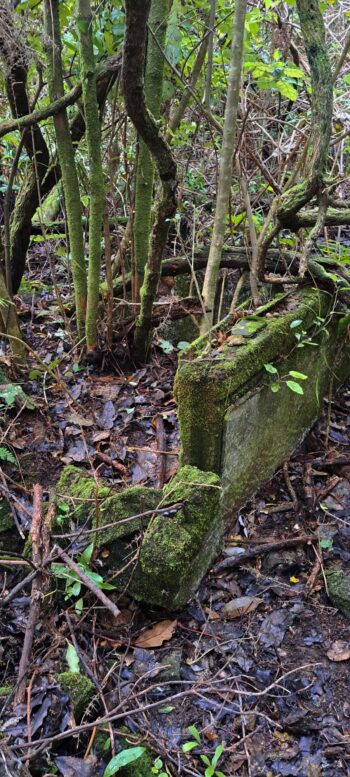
(112, 64)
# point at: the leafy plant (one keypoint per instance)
(293, 385)
(6, 455)
(73, 582)
(158, 768)
(9, 393)
(210, 763)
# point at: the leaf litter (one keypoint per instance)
(257, 660)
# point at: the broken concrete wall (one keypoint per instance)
(231, 422)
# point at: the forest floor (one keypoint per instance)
(267, 675)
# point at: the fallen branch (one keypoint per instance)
(34, 609)
(260, 550)
(161, 448)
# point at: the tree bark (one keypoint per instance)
(93, 139)
(144, 179)
(133, 69)
(27, 199)
(67, 161)
(226, 158)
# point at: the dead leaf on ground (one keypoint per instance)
(340, 651)
(156, 635)
(240, 606)
(212, 615)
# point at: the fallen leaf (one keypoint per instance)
(212, 615)
(108, 391)
(106, 419)
(340, 651)
(236, 340)
(156, 635)
(240, 606)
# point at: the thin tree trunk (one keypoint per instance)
(67, 161)
(226, 158)
(178, 112)
(210, 55)
(27, 199)
(144, 180)
(147, 127)
(93, 139)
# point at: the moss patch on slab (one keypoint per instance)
(100, 506)
(207, 382)
(339, 590)
(178, 548)
(80, 689)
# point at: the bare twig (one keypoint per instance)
(237, 561)
(34, 609)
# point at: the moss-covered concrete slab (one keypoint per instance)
(231, 422)
(179, 542)
(262, 428)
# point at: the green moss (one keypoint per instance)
(5, 690)
(80, 689)
(101, 506)
(177, 548)
(205, 385)
(339, 590)
(6, 519)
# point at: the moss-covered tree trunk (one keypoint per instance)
(313, 32)
(93, 139)
(133, 69)
(14, 56)
(313, 184)
(67, 161)
(144, 179)
(226, 158)
(27, 199)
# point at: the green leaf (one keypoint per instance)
(218, 753)
(85, 557)
(195, 733)
(166, 346)
(6, 455)
(123, 759)
(299, 375)
(296, 322)
(166, 710)
(275, 387)
(326, 544)
(182, 345)
(189, 746)
(294, 387)
(74, 589)
(271, 369)
(79, 606)
(209, 771)
(9, 393)
(72, 659)
(287, 90)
